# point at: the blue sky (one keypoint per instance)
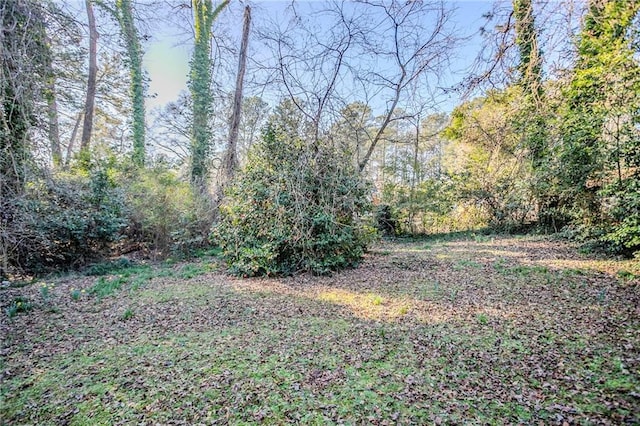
(167, 56)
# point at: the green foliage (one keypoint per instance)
(427, 208)
(19, 305)
(296, 206)
(45, 291)
(200, 88)
(599, 151)
(110, 267)
(76, 294)
(486, 160)
(127, 314)
(67, 220)
(165, 214)
(625, 213)
(22, 73)
(386, 221)
(125, 15)
(104, 287)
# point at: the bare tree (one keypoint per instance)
(230, 161)
(414, 49)
(380, 52)
(91, 81)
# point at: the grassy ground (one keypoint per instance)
(484, 330)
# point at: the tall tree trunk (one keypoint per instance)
(54, 129)
(52, 109)
(530, 78)
(230, 162)
(72, 139)
(200, 87)
(385, 122)
(91, 83)
(134, 52)
(530, 66)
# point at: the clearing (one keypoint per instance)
(471, 329)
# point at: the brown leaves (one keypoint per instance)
(456, 332)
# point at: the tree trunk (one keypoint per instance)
(230, 162)
(72, 139)
(383, 127)
(200, 87)
(134, 52)
(52, 109)
(54, 130)
(91, 82)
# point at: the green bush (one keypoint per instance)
(296, 206)
(164, 214)
(65, 221)
(624, 233)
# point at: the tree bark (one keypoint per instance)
(200, 87)
(54, 129)
(134, 52)
(52, 108)
(230, 162)
(72, 139)
(91, 81)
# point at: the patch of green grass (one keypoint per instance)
(193, 270)
(104, 287)
(19, 305)
(376, 299)
(112, 267)
(523, 271)
(45, 291)
(270, 357)
(482, 318)
(127, 314)
(208, 252)
(572, 272)
(500, 265)
(626, 275)
(132, 278)
(479, 238)
(76, 294)
(465, 263)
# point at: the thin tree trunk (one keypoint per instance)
(54, 129)
(72, 139)
(230, 162)
(91, 82)
(383, 127)
(52, 109)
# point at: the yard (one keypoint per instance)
(457, 330)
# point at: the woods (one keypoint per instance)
(327, 212)
(531, 146)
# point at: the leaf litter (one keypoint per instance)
(503, 331)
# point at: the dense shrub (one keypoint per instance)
(65, 221)
(386, 221)
(296, 206)
(625, 216)
(165, 216)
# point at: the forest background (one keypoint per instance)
(307, 128)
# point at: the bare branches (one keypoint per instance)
(375, 50)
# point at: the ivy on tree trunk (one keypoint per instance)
(134, 54)
(200, 86)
